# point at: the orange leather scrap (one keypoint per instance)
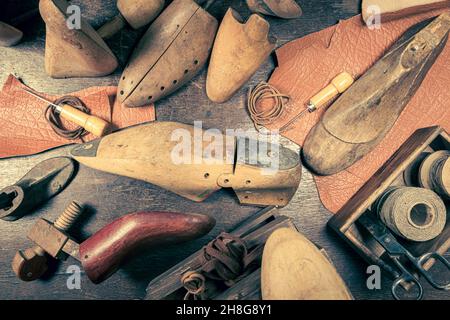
(309, 64)
(24, 129)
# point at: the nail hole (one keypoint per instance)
(186, 71)
(226, 180)
(86, 256)
(196, 62)
(246, 197)
(150, 97)
(162, 88)
(248, 182)
(121, 92)
(175, 81)
(206, 175)
(123, 78)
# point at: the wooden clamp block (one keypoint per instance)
(391, 174)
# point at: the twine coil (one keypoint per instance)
(415, 214)
(194, 283)
(265, 117)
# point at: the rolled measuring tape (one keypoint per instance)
(434, 173)
(416, 214)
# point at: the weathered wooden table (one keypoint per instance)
(109, 197)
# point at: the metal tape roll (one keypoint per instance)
(415, 214)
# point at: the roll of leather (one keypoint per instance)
(416, 214)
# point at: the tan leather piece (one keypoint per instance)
(308, 64)
(24, 130)
(363, 115)
(239, 50)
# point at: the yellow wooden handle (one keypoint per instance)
(337, 86)
(92, 124)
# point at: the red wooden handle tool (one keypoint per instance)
(103, 253)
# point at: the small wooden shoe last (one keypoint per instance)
(73, 52)
(239, 50)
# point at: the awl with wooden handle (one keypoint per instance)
(338, 85)
(90, 123)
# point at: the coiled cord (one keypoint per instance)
(265, 117)
(53, 118)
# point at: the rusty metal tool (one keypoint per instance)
(41, 183)
(103, 253)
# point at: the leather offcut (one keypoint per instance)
(308, 64)
(24, 130)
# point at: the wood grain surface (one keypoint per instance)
(109, 197)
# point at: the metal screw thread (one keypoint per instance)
(67, 219)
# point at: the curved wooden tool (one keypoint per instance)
(9, 36)
(173, 50)
(103, 253)
(286, 9)
(363, 115)
(73, 52)
(391, 10)
(136, 13)
(41, 183)
(293, 268)
(239, 49)
(148, 152)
